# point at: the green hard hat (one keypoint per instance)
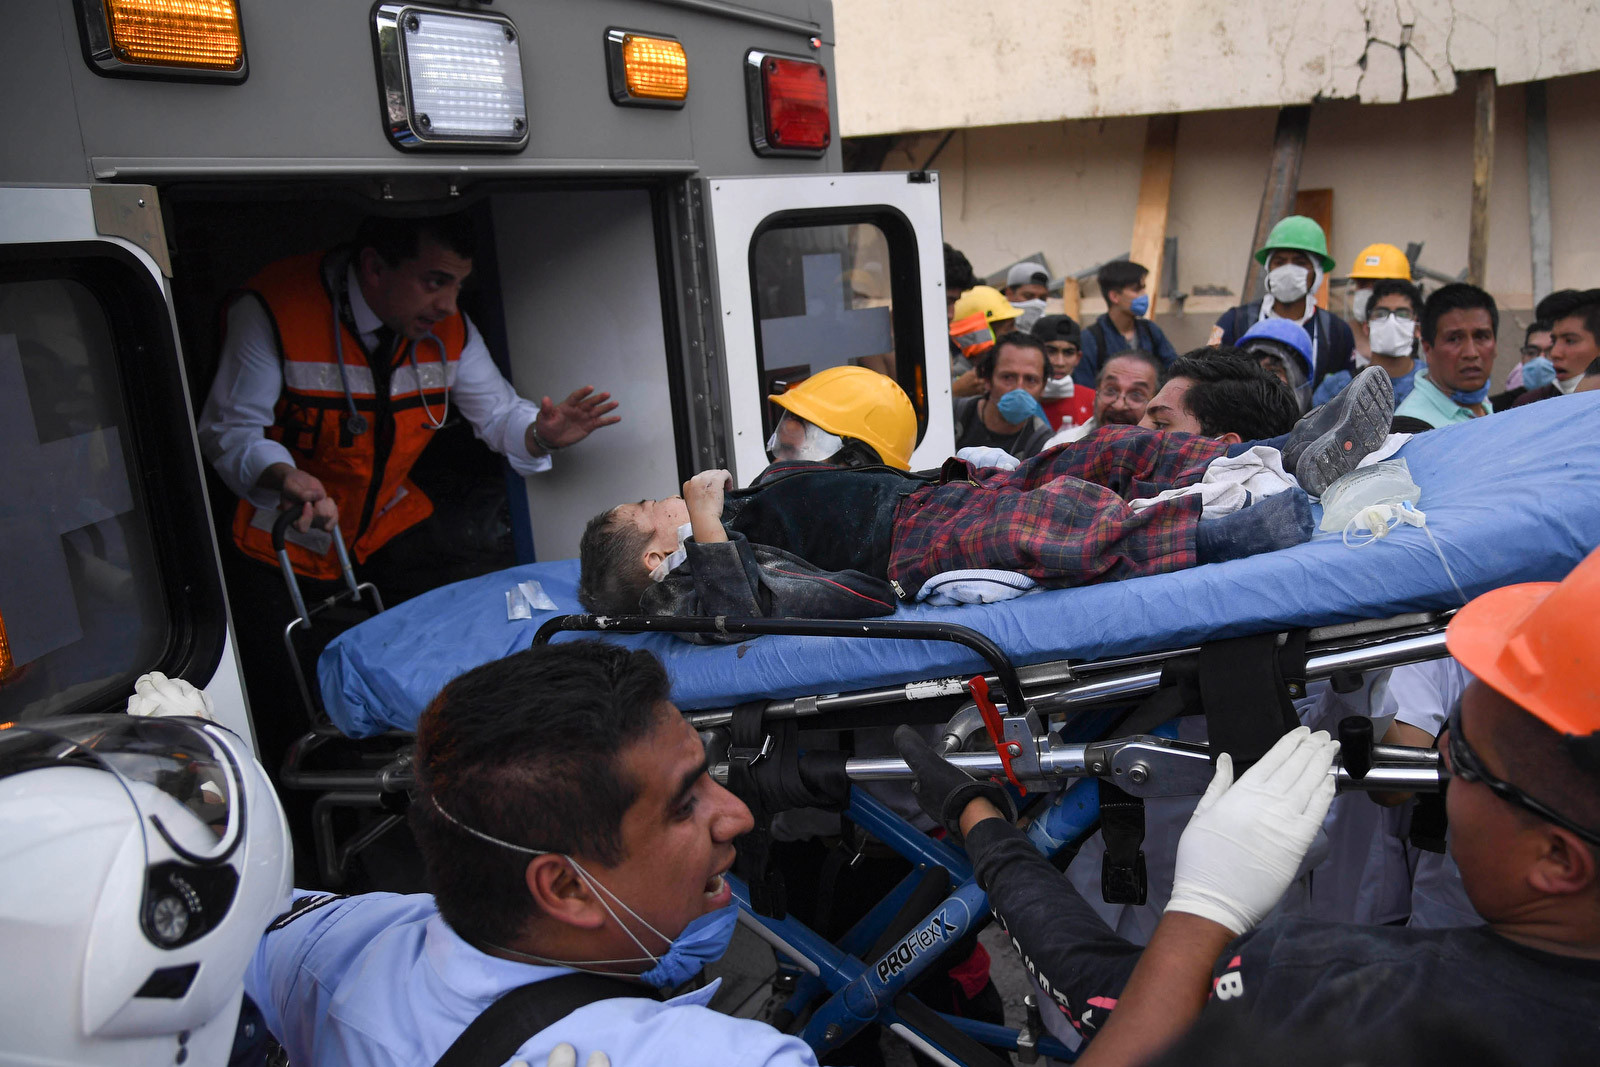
(1301, 234)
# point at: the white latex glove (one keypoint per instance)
(1245, 842)
(985, 456)
(564, 1055)
(155, 694)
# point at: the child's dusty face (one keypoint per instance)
(661, 518)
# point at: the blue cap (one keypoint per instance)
(1284, 332)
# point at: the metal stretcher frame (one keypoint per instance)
(860, 991)
(365, 788)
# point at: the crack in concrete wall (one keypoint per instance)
(956, 64)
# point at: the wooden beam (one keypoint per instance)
(1071, 299)
(1482, 174)
(1539, 191)
(1283, 181)
(1317, 204)
(1155, 195)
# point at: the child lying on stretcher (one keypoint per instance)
(816, 540)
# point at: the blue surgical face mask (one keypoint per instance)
(1471, 399)
(1140, 305)
(705, 940)
(1019, 405)
(1538, 372)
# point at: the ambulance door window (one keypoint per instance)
(84, 604)
(834, 291)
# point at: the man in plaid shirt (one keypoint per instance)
(811, 540)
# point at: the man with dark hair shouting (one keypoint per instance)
(576, 848)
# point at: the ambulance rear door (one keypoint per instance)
(818, 271)
(108, 564)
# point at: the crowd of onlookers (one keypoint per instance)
(1024, 380)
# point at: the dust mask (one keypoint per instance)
(661, 570)
(1360, 300)
(1288, 283)
(1393, 336)
(1032, 312)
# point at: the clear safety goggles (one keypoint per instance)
(179, 775)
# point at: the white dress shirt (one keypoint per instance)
(249, 381)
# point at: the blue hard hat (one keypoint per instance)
(1290, 334)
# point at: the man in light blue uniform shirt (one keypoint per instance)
(567, 822)
(1459, 324)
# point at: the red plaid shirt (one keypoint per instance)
(1062, 517)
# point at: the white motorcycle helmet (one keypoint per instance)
(140, 861)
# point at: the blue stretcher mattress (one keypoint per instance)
(1511, 498)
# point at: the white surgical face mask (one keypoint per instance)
(1360, 300)
(664, 568)
(1288, 283)
(1032, 312)
(1056, 388)
(1393, 336)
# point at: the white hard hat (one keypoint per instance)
(140, 862)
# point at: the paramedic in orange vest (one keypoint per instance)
(337, 368)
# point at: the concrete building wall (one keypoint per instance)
(906, 65)
(1399, 173)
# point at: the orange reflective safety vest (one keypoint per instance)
(972, 335)
(366, 474)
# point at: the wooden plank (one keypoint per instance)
(1482, 175)
(1317, 204)
(1155, 195)
(1071, 300)
(1539, 191)
(1283, 180)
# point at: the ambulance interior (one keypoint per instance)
(574, 284)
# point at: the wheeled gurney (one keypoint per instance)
(1509, 499)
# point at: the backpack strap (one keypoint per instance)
(1244, 317)
(505, 1026)
(1102, 344)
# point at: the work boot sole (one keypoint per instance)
(1361, 416)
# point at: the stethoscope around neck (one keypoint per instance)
(357, 423)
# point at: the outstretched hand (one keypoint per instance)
(1245, 842)
(576, 417)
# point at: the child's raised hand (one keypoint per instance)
(703, 493)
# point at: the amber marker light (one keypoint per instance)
(646, 69)
(154, 37)
(6, 662)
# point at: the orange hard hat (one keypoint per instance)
(1537, 644)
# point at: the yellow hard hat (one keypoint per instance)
(1381, 261)
(859, 403)
(988, 301)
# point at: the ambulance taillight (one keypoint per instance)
(788, 101)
